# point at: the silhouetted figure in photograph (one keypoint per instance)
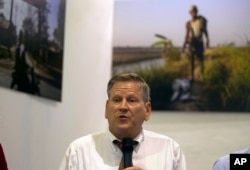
(195, 29)
(20, 75)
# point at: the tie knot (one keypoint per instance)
(119, 143)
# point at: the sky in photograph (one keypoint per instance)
(137, 21)
(20, 11)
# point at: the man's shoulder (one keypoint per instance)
(202, 18)
(87, 139)
(153, 138)
(246, 150)
(223, 162)
(199, 17)
(157, 136)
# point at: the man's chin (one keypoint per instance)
(124, 129)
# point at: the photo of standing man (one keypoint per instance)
(195, 29)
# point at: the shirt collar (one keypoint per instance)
(111, 138)
(138, 138)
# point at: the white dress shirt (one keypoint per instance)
(98, 152)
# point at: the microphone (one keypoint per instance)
(127, 149)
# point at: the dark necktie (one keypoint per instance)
(119, 144)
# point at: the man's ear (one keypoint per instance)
(106, 109)
(148, 110)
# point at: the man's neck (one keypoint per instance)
(194, 18)
(124, 134)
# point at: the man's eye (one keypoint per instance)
(116, 100)
(132, 100)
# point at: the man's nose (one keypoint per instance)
(124, 105)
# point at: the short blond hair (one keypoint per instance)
(126, 77)
(193, 8)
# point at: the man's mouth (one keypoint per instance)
(123, 117)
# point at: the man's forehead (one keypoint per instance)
(126, 84)
(129, 86)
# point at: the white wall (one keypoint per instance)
(203, 136)
(35, 132)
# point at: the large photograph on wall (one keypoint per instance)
(195, 55)
(31, 46)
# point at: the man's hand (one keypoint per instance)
(207, 44)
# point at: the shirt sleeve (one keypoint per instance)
(180, 161)
(222, 163)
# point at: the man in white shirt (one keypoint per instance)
(127, 107)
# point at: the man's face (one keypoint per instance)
(125, 109)
(193, 13)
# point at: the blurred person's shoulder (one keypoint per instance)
(223, 162)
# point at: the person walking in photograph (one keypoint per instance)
(195, 29)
